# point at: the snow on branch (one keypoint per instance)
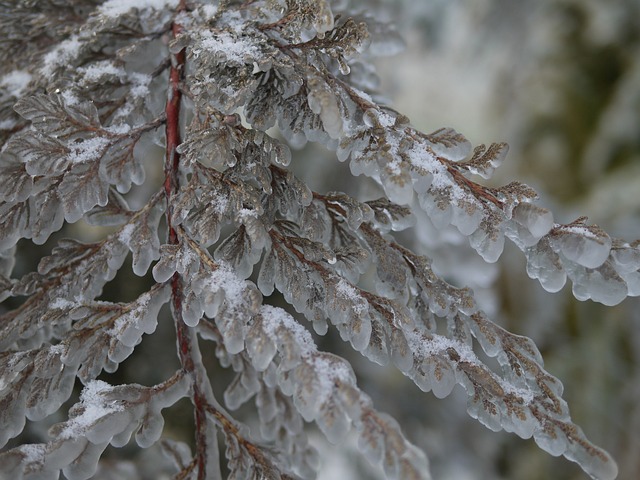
(104, 415)
(171, 107)
(294, 88)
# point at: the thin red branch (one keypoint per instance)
(171, 186)
(172, 112)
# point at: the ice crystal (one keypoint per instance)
(154, 122)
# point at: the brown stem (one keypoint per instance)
(185, 337)
(231, 429)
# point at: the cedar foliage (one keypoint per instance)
(91, 91)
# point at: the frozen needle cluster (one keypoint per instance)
(88, 97)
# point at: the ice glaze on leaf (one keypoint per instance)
(171, 128)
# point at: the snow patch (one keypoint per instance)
(94, 408)
(274, 318)
(348, 292)
(15, 82)
(61, 304)
(98, 70)
(88, 150)
(116, 8)
(140, 84)
(62, 54)
(235, 49)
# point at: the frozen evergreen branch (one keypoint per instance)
(168, 106)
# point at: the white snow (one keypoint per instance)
(60, 55)
(88, 150)
(234, 287)
(115, 8)
(427, 346)
(348, 292)
(220, 204)
(33, 452)
(70, 98)
(61, 304)
(246, 213)
(140, 84)
(95, 408)
(209, 10)
(581, 231)
(119, 129)
(235, 49)
(97, 70)
(330, 370)
(125, 234)
(386, 120)
(15, 82)
(274, 318)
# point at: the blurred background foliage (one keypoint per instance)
(559, 80)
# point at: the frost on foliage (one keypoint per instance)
(104, 415)
(601, 268)
(64, 167)
(37, 381)
(281, 355)
(522, 398)
(107, 88)
(74, 273)
(213, 289)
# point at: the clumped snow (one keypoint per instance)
(15, 82)
(61, 55)
(115, 8)
(235, 49)
(94, 408)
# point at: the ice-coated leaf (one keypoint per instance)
(181, 120)
(390, 268)
(141, 237)
(115, 212)
(538, 221)
(449, 142)
(485, 160)
(50, 114)
(324, 103)
(602, 284)
(585, 245)
(260, 348)
(389, 216)
(120, 166)
(489, 244)
(545, 265)
(103, 413)
(35, 218)
(178, 453)
(18, 183)
(240, 251)
(82, 189)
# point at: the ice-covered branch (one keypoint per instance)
(297, 89)
(165, 105)
(522, 398)
(37, 382)
(323, 390)
(402, 325)
(105, 415)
